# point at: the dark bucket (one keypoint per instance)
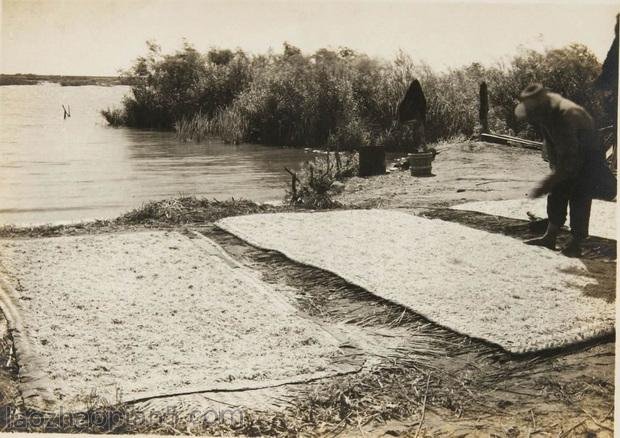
(421, 163)
(372, 161)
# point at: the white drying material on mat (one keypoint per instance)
(602, 216)
(153, 313)
(483, 285)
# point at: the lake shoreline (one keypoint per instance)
(463, 171)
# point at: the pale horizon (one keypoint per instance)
(103, 37)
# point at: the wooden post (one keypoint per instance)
(337, 157)
(293, 184)
(484, 108)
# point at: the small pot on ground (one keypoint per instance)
(420, 163)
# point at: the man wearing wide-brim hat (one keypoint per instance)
(577, 160)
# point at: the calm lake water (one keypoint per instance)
(54, 170)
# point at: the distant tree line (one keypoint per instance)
(336, 97)
(67, 81)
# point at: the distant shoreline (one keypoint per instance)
(72, 81)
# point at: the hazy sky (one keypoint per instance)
(103, 36)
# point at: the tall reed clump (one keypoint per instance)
(227, 124)
(115, 117)
(193, 128)
(297, 99)
(230, 125)
(352, 135)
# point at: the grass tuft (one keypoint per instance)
(321, 178)
(190, 209)
(155, 214)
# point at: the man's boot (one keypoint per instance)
(548, 240)
(573, 248)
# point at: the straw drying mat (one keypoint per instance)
(484, 285)
(602, 217)
(146, 314)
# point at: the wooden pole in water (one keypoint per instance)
(484, 108)
(67, 112)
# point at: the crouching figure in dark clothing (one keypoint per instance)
(577, 160)
(411, 115)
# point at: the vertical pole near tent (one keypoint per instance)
(614, 155)
(484, 108)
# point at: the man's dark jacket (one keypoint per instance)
(572, 146)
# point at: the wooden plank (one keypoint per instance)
(506, 139)
(523, 140)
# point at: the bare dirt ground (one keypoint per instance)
(470, 171)
(436, 383)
